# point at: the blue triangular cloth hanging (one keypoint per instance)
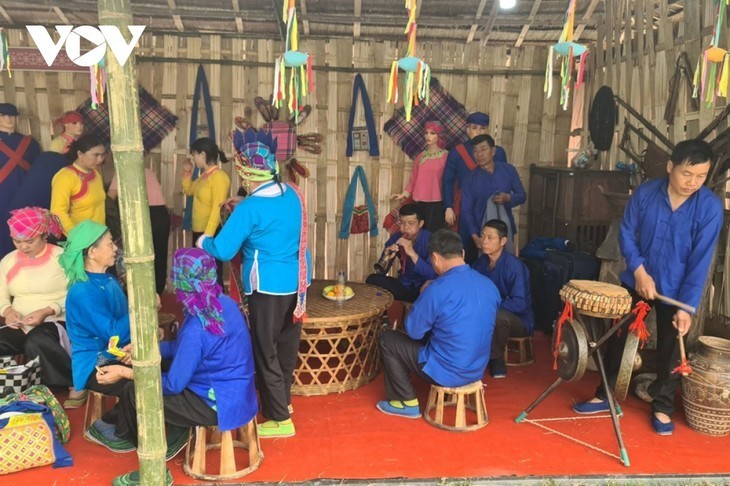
(201, 88)
(358, 88)
(358, 219)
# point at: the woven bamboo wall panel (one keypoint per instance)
(529, 127)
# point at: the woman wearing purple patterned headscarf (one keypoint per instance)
(210, 380)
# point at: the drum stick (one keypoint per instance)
(682, 354)
(677, 303)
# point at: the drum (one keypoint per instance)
(706, 391)
(597, 299)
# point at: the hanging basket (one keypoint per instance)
(295, 58)
(563, 48)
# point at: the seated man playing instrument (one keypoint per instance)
(448, 331)
(514, 317)
(410, 246)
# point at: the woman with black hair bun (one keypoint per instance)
(209, 190)
(77, 191)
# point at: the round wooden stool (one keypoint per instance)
(469, 396)
(519, 352)
(95, 402)
(194, 465)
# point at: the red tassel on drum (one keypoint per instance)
(638, 327)
(566, 315)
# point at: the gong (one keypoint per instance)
(628, 365)
(572, 351)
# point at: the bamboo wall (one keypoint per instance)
(640, 71)
(529, 127)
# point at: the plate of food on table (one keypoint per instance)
(330, 292)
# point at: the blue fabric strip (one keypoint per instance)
(350, 204)
(359, 88)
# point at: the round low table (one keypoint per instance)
(339, 345)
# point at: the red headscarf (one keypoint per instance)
(69, 117)
(30, 222)
(436, 127)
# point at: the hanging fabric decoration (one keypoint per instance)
(300, 80)
(568, 51)
(418, 73)
(711, 74)
(4, 52)
(97, 82)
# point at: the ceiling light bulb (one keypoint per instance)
(507, 4)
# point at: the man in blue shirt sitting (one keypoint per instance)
(514, 317)
(448, 331)
(668, 234)
(410, 247)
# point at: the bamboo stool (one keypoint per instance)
(194, 465)
(469, 396)
(522, 347)
(95, 402)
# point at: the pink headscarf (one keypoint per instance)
(27, 223)
(436, 127)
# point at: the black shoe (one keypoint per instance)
(177, 438)
(497, 368)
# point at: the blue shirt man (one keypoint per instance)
(410, 247)
(491, 182)
(448, 331)
(668, 233)
(515, 317)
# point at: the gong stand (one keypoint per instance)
(579, 332)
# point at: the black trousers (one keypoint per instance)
(115, 390)
(41, 341)
(185, 409)
(395, 287)
(433, 215)
(275, 340)
(664, 387)
(506, 326)
(399, 355)
(218, 263)
(160, 220)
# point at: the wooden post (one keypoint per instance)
(126, 145)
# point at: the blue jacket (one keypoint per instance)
(512, 279)
(96, 310)
(482, 186)
(414, 275)
(266, 226)
(219, 369)
(457, 171)
(675, 247)
(456, 315)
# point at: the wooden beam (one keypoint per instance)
(530, 20)
(6, 15)
(305, 23)
(490, 22)
(473, 29)
(175, 17)
(61, 15)
(586, 16)
(237, 15)
(356, 24)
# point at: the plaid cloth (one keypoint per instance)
(27, 223)
(157, 122)
(286, 139)
(194, 277)
(443, 108)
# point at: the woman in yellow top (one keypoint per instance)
(209, 190)
(77, 191)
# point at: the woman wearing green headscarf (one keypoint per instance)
(96, 316)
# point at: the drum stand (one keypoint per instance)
(593, 347)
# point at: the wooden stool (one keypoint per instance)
(95, 402)
(194, 465)
(469, 396)
(522, 347)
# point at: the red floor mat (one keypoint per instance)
(345, 437)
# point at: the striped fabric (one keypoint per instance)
(286, 139)
(443, 108)
(157, 122)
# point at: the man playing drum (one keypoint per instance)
(448, 331)
(668, 233)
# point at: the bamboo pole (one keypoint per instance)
(126, 137)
